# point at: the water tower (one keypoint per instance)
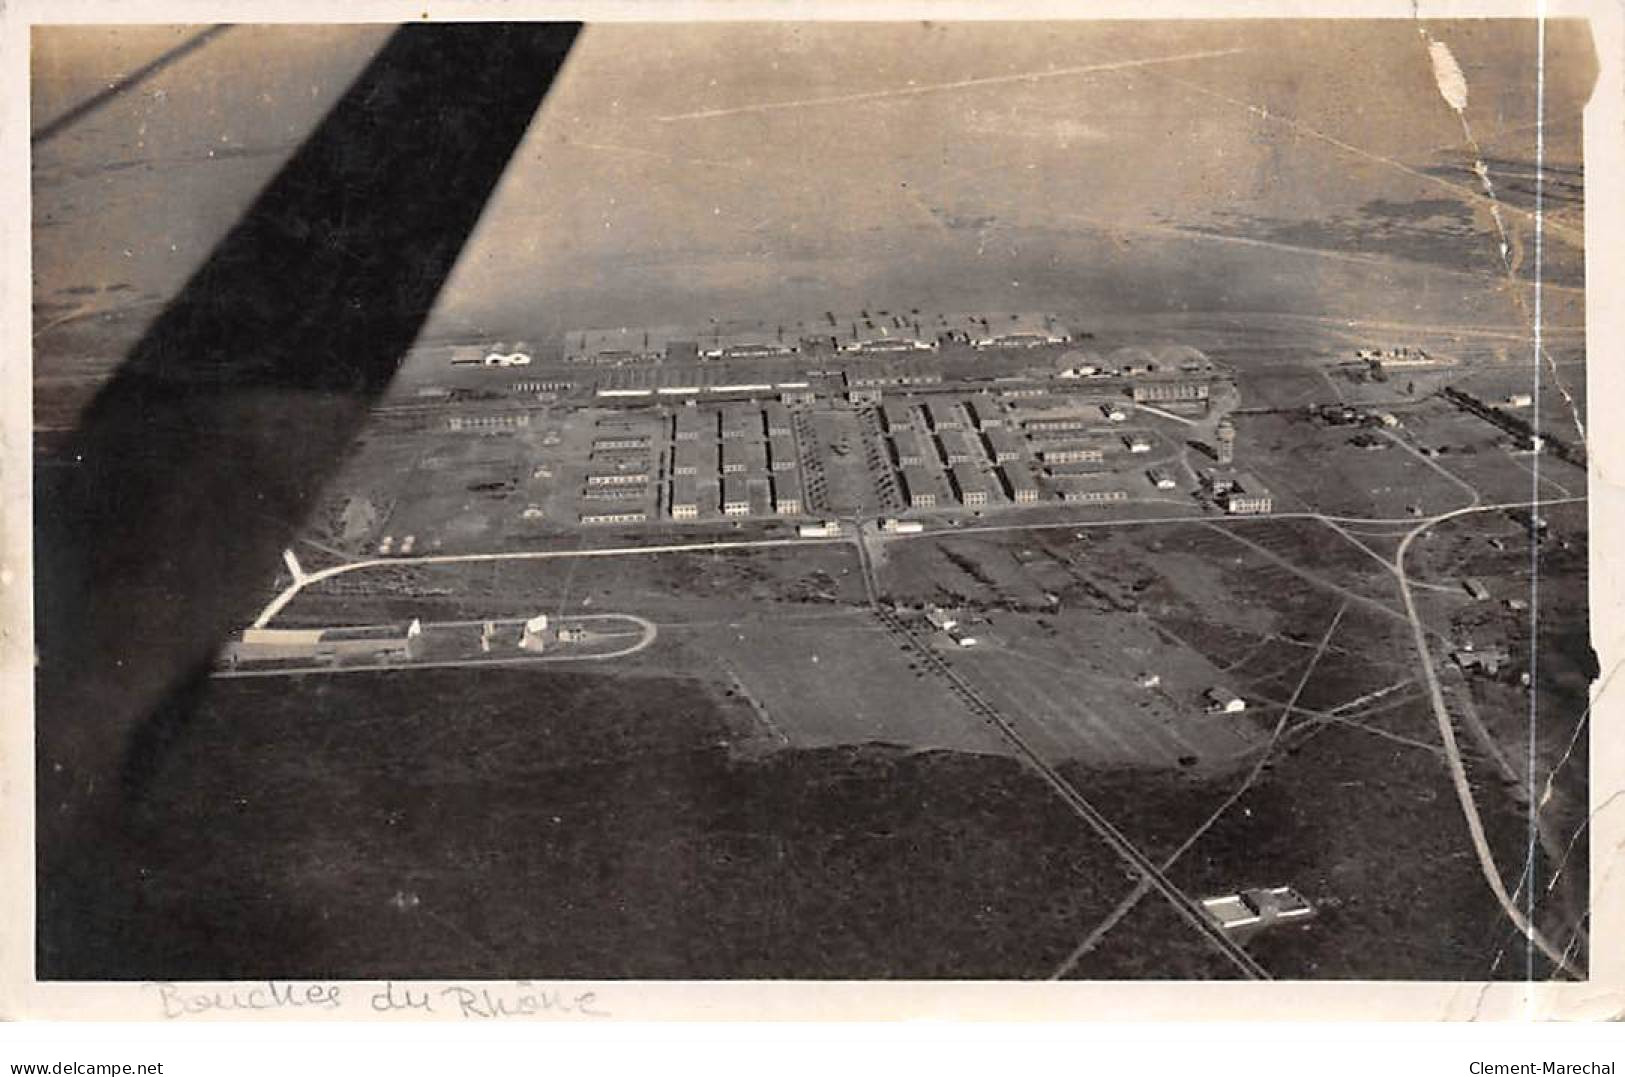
(1227, 441)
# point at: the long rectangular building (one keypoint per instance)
(735, 496)
(910, 449)
(921, 487)
(1019, 484)
(1004, 444)
(695, 424)
(787, 499)
(897, 415)
(743, 456)
(970, 486)
(778, 419)
(984, 413)
(943, 416)
(781, 452)
(957, 447)
(1072, 455)
(741, 421)
(685, 497)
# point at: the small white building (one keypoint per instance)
(1224, 701)
(534, 638)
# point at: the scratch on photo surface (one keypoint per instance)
(943, 87)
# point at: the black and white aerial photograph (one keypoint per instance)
(901, 500)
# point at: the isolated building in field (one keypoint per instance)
(1223, 701)
(1251, 911)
